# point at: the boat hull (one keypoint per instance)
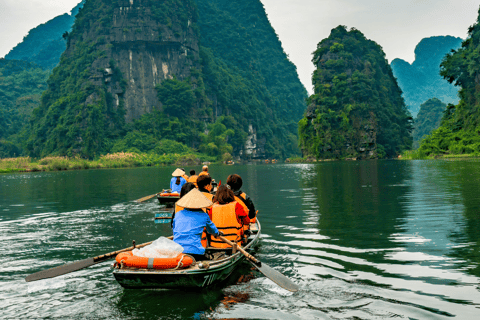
(168, 201)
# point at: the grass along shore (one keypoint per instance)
(115, 160)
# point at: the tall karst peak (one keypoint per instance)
(357, 110)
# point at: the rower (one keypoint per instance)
(177, 181)
(229, 217)
(204, 171)
(190, 222)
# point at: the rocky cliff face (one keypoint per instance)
(146, 51)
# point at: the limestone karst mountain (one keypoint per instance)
(155, 68)
(357, 110)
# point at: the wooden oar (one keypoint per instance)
(78, 265)
(146, 198)
(269, 272)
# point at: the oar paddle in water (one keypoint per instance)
(267, 271)
(146, 198)
(78, 265)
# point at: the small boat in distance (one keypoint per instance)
(199, 275)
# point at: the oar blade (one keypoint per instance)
(145, 198)
(276, 277)
(60, 270)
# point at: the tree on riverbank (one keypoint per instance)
(459, 132)
(428, 119)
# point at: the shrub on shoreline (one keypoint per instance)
(111, 160)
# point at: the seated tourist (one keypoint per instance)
(229, 217)
(190, 222)
(204, 184)
(177, 181)
(193, 177)
(235, 182)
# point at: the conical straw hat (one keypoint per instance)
(194, 200)
(178, 173)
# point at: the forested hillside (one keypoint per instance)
(252, 49)
(44, 44)
(357, 110)
(421, 80)
(218, 82)
(458, 133)
(21, 85)
(428, 119)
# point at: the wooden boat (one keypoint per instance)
(167, 200)
(200, 275)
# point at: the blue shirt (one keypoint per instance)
(188, 228)
(177, 187)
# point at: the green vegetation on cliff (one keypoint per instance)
(421, 80)
(357, 109)
(21, 85)
(428, 119)
(460, 126)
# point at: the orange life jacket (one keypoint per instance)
(225, 219)
(203, 173)
(193, 179)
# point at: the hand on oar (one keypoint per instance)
(78, 265)
(146, 198)
(267, 271)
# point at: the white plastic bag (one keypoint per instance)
(160, 248)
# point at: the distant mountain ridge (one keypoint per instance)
(44, 44)
(421, 80)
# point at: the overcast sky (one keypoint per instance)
(397, 25)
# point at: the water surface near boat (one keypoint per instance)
(365, 240)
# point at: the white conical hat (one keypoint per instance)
(178, 173)
(194, 200)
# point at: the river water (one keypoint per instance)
(364, 240)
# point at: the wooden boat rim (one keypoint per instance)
(214, 265)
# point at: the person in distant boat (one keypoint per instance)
(229, 217)
(204, 171)
(177, 181)
(190, 222)
(235, 182)
(193, 177)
